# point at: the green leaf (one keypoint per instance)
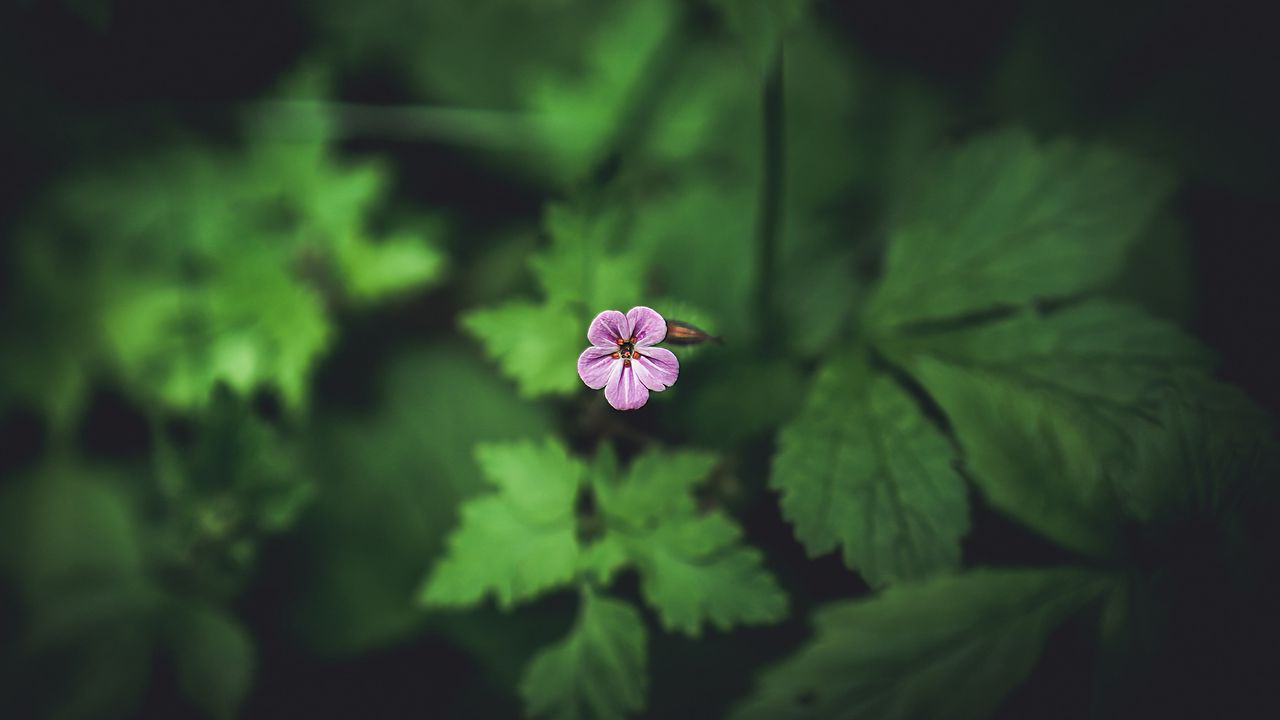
(657, 486)
(580, 269)
(535, 345)
(1043, 408)
(761, 24)
(862, 468)
(1005, 220)
(393, 477)
(693, 569)
(214, 659)
(1210, 456)
(598, 671)
(519, 541)
(951, 647)
(372, 270)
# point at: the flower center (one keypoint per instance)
(627, 350)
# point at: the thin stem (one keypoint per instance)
(771, 191)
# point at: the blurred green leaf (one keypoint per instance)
(1043, 408)
(762, 24)
(580, 269)
(72, 547)
(694, 570)
(951, 647)
(1210, 456)
(398, 263)
(1005, 220)
(519, 541)
(598, 671)
(192, 266)
(390, 480)
(535, 345)
(863, 469)
(566, 86)
(214, 658)
(741, 399)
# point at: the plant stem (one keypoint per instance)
(771, 191)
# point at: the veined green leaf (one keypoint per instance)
(862, 468)
(1005, 220)
(597, 672)
(519, 541)
(950, 648)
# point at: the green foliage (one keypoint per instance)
(99, 604)
(520, 541)
(1042, 407)
(214, 659)
(552, 114)
(391, 479)
(598, 671)
(194, 267)
(529, 536)
(1004, 220)
(580, 277)
(692, 566)
(951, 647)
(198, 318)
(694, 570)
(863, 469)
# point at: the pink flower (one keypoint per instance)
(622, 359)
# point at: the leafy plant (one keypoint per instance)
(529, 537)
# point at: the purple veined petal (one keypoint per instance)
(607, 328)
(625, 391)
(657, 368)
(647, 326)
(594, 366)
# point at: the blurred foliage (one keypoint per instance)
(267, 367)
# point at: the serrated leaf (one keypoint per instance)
(1005, 220)
(597, 672)
(213, 657)
(1209, 455)
(694, 570)
(1043, 408)
(951, 648)
(582, 266)
(535, 345)
(519, 541)
(657, 486)
(862, 469)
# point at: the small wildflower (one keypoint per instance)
(622, 359)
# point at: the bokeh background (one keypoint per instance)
(271, 273)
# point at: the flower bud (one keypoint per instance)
(683, 333)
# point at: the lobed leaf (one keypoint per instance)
(1005, 220)
(1044, 409)
(519, 541)
(694, 570)
(951, 647)
(862, 469)
(598, 671)
(535, 345)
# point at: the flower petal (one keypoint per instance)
(647, 326)
(625, 391)
(607, 328)
(657, 368)
(594, 365)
